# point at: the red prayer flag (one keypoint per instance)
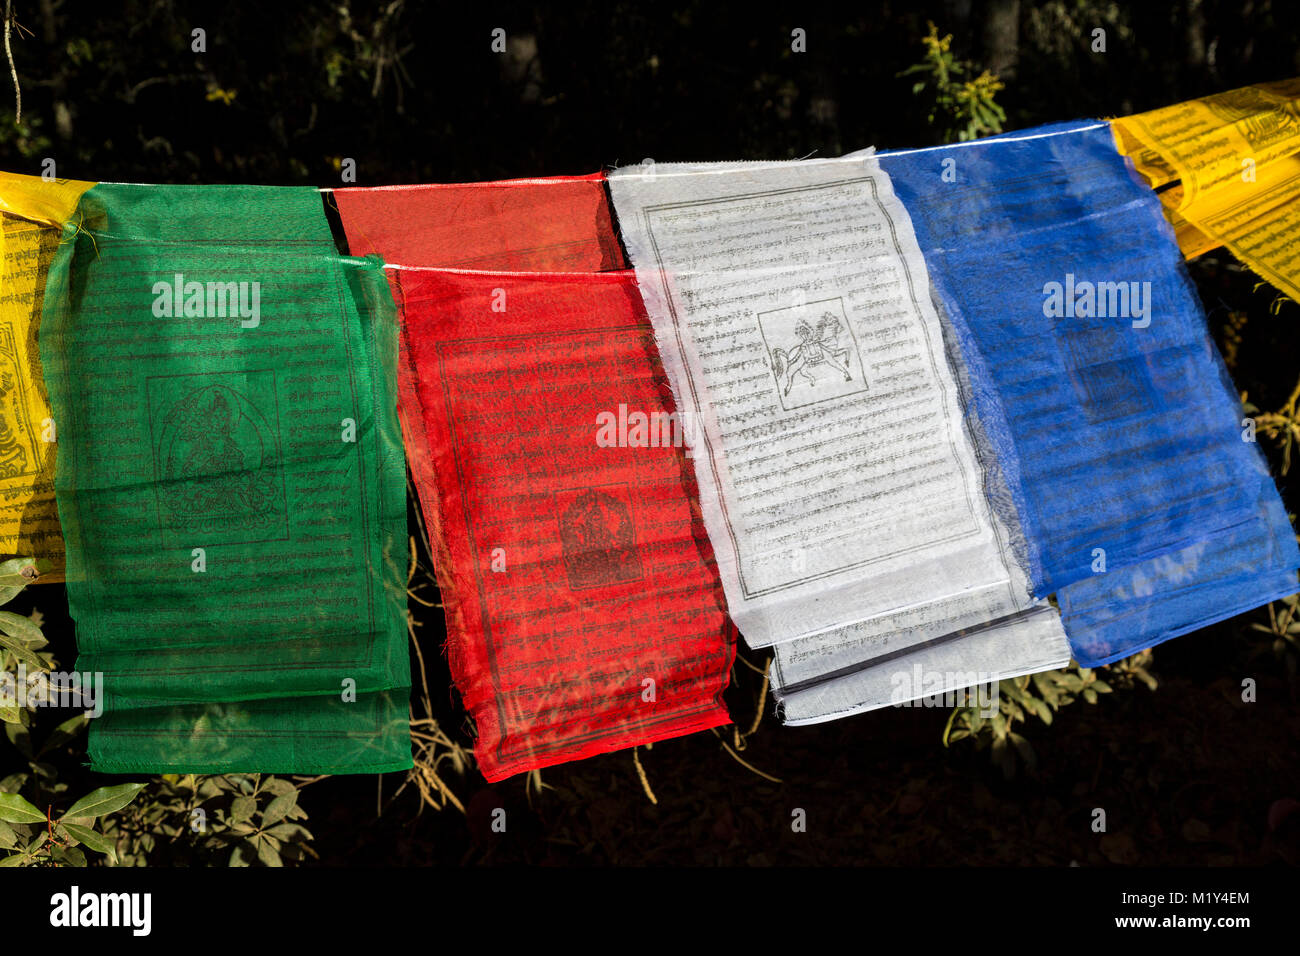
(555, 224)
(560, 224)
(584, 611)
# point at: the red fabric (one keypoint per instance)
(608, 580)
(558, 224)
(561, 224)
(499, 411)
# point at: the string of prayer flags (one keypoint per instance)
(814, 397)
(1229, 168)
(584, 614)
(32, 214)
(839, 487)
(1094, 379)
(230, 483)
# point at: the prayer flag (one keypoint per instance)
(32, 214)
(555, 224)
(584, 613)
(583, 609)
(1095, 381)
(230, 483)
(1232, 162)
(839, 485)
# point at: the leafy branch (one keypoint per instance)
(963, 109)
(1038, 695)
(47, 840)
(1282, 425)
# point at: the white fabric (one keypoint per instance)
(838, 484)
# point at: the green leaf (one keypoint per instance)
(15, 625)
(14, 809)
(16, 574)
(21, 650)
(93, 839)
(279, 786)
(64, 732)
(16, 566)
(9, 839)
(15, 860)
(279, 808)
(268, 854)
(241, 809)
(1012, 690)
(20, 737)
(104, 800)
(70, 855)
(289, 832)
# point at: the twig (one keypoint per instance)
(645, 781)
(749, 766)
(13, 70)
(762, 699)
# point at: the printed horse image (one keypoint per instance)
(816, 347)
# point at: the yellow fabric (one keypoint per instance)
(1252, 207)
(32, 214)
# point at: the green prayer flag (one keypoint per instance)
(230, 481)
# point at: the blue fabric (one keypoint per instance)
(1112, 440)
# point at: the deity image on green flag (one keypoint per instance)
(230, 480)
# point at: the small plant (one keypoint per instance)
(234, 819)
(1284, 628)
(1283, 425)
(21, 640)
(962, 109)
(1039, 695)
(223, 819)
(42, 839)
(34, 836)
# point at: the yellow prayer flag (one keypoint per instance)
(32, 213)
(1236, 159)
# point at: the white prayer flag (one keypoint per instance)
(838, 483)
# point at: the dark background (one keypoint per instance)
(413, 93)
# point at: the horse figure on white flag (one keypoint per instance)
(816, 347)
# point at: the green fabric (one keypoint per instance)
(186, 431)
